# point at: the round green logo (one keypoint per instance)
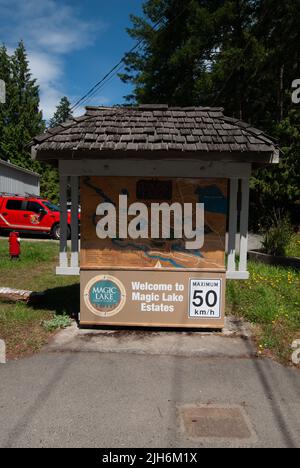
(105, 296)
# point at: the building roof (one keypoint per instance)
(103, 131)
(18, 168)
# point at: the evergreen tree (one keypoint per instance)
(63, 113)
(5, 74)
(50, 183)
(176, 54)
(24, 120)
(20, 118)
(239, 54)
(50, 180)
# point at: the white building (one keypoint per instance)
(16, 180)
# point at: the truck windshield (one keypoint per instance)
(50, 206)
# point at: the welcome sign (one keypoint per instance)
(153, 251)
(163, 299)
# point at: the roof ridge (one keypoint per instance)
(153, 107)
(259, 134)
(116, 107)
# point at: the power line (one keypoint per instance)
(103, 85)
(107, 78)
(95, 87)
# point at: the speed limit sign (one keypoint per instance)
(205, 298)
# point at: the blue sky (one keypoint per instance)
(70, 44)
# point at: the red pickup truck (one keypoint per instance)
(30, 214)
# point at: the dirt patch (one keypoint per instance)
(120, 335)
(25, 341)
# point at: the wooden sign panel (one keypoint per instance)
(151, 254)
(153, 299)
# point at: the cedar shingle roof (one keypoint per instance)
(154, 128)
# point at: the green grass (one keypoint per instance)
(21, 325)
(271, 300)
(294, 247)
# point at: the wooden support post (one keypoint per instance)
(244, 225)
(232, 225)
(74, 222)
(63, 256)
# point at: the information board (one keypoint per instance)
(159, 253)
(161, 299)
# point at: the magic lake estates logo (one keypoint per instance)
(105, 296)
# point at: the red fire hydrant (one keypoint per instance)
(14, 245)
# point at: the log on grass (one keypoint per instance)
(19, 295)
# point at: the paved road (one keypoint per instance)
(88, 398)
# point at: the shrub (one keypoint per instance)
(277, 237)
(58, 321)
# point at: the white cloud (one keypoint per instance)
(48, 24)
(44, 67)
(48, 71)
(49, 98)
(50, 30)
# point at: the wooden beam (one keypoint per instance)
(244, 225)
(265, 157)
(63, 256)
(67, 271)
(234, 183)
(237, 275)
(188, 168)
(74, 222)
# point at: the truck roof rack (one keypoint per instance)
(26, 195)
(8, 194)
(32, 195)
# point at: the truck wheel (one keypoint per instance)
(55, 233)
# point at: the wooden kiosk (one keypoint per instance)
(127, 164)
